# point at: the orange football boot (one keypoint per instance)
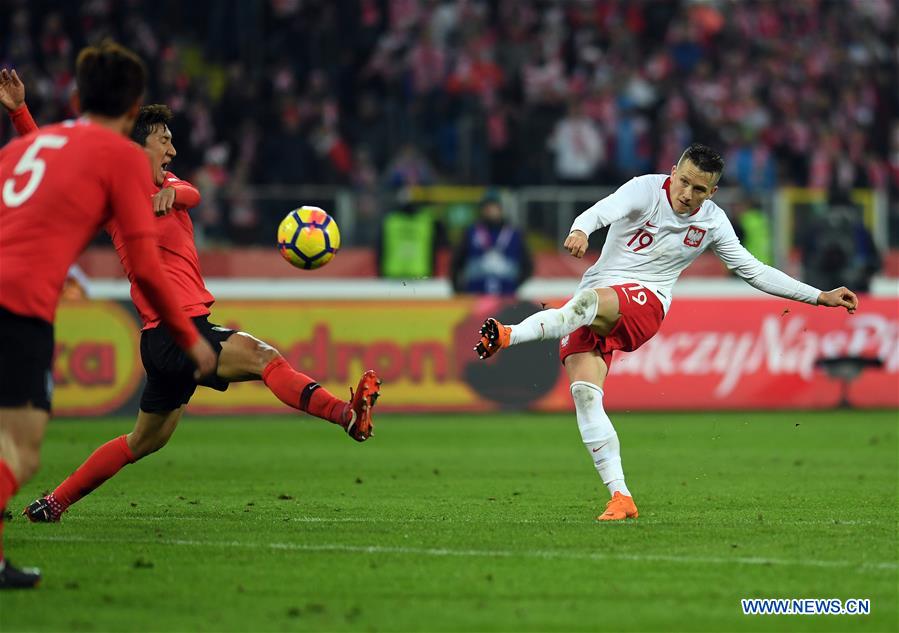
(360, 426)
(494, 337)
(618, 508)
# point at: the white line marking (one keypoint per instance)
(577, 521)
(427, 551)
(247, 516)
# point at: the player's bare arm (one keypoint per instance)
(12, 90)
(576, 243)
(840, 297)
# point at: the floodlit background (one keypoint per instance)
(413, 122)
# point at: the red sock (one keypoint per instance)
(301, 392)
(8, 487)
(103, 463)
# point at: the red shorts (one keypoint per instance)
(641, 316)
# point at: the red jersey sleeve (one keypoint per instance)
(186, 195)
(21, 119)
(130, 187)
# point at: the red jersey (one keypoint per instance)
(176, 243)
(177, 252)
(57, 188)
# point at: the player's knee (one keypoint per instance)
(584, 304)
(138, 445)
(587, 297)
(585, 393)
(265, 353)
(143, 444)
(28, 463)
(255, 355)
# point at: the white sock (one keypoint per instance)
(599, 435)
(557, 322)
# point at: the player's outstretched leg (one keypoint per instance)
(244, 357)
(602, 444)
(359, 424)
(494, 337)
(299, 391)
(552, 323)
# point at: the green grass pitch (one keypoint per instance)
(477, 522)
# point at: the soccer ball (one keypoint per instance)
(308, 238)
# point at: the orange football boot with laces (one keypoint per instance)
(494, 337)
(359, 424)
(618, 508)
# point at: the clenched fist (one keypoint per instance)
(576, 243)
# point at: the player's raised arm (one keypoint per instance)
(12, 96)
(130, 188)
(186, 195)
(175, 194)
(12, 90)
(773, 281)
(631, 197)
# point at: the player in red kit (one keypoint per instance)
(58, 186)
(169, 387)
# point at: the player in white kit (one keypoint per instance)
(658, 224)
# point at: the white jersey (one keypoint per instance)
(648, 243)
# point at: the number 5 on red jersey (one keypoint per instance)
(32, 165)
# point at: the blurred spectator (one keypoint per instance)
(492, 256)
(288, 156)
(751, 165)
(364, 180)
(753, 229)
(578, 146)
(211, 179)
(409, 168)
(410, 240)
(475, 73)
(330, 145)
(839, 249)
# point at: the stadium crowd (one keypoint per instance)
(382, 93)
